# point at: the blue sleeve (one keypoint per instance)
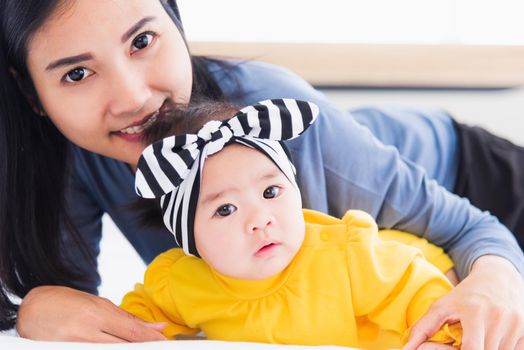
(426, 136)
(342, 166)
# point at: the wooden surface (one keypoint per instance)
(362, 65)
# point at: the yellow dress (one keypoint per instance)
(346, 286)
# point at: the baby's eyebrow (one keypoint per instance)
(273, 173)
(270, 174)
(214, 195)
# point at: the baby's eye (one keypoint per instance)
(142, 41)
(271, 192)
(77, 74)
(226, 210)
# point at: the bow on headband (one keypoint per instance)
(170, 168)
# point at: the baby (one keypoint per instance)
(253, 265)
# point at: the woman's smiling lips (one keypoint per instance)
(133, 132)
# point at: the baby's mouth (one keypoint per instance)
(266, 248)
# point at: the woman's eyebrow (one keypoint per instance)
(69, 61)
(136, 28)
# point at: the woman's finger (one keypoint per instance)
(130, 328)
(473, 328)
(102, 337)
(500, 336)
(427, 325)
(520, 344)
(157, 326)
(435, 346)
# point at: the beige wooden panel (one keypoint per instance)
(454, 66)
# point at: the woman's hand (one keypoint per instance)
(489, 303)
(435, 346)
(64, 314)
(452, 277)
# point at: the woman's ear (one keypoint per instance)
(30, 97)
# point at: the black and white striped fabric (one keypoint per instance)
(171, 168)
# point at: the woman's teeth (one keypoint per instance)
(139, 128)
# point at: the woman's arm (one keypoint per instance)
(64, 314)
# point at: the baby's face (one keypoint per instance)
(248, 222)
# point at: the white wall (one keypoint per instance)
(500, 111)
(372, 21)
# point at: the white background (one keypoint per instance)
(371, 21)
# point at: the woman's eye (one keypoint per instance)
(226, 210)
(142, 41)
(77, 74)
(271, 192)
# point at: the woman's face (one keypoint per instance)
(103, 68)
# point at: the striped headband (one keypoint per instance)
(171, 168)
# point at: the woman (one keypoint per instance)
(80, 81)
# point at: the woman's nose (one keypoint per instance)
(130, 92)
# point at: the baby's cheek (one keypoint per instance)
(215, 249)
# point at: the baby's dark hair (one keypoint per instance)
(188, 119)
(178, 120)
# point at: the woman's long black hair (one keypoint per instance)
(35, 164)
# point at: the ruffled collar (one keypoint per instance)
(254, 289)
